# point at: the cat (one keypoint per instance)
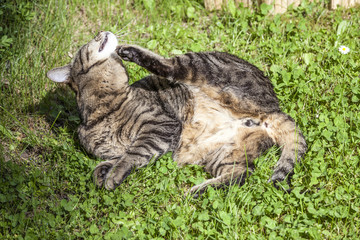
(210, 108)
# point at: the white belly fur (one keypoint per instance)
(211, 127)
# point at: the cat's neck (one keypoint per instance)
(101, 92)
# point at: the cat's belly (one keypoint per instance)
(211, 128)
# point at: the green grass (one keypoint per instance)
(46, 187)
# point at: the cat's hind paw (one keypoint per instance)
(278, 177)
(195, 192)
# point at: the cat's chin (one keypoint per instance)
(107, 46)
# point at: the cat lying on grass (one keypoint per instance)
(211, 109)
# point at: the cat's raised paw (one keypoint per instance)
(125, 52)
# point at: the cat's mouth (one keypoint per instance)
(102, 46)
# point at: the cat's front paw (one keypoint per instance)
(101, 171)
(126, 52)
(117, 174)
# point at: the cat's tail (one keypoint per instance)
(284, 132)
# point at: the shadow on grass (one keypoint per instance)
(60, 109)
(34, 151)
(42, 163)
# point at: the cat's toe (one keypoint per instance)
(110, 184)
(124, 51)
(279, 177)
(113, 181)
(117, 175)
(194, 195)
(276, 178)
(100, 172)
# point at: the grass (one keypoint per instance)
(46, 188)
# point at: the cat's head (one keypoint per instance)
(90, 60)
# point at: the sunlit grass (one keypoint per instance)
(46, 186)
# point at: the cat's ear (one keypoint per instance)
(60, 74)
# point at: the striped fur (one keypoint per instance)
(211, 109)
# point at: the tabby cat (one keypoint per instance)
(211, 109)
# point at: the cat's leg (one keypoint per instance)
(155, 138)
(112, 173)
(121, 167)
(235, 176)
(233, 163)
(151, 61)
(228, 166)
(283, 130)
(190, 68)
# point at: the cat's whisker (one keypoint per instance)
(124, 34)
(119, 31)
(131, 42)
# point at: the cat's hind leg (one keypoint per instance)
(233, 163)
(283, 130)
(236, 175)
(227, 166)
